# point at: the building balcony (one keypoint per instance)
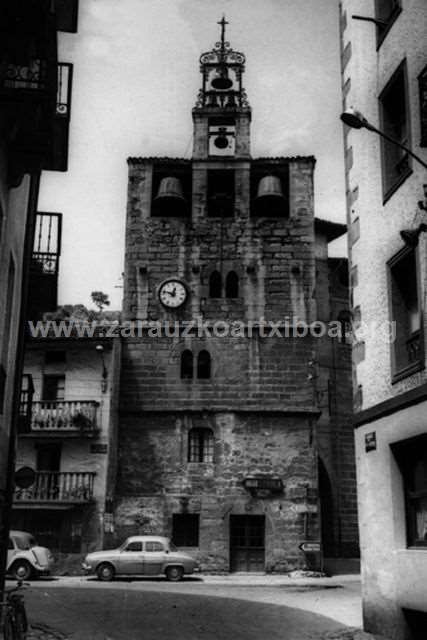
(75, 418)
(57, 489)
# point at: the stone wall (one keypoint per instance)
(156, 480)
(263, 398)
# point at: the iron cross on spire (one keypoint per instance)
(223, 22)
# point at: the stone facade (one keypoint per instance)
(260, 402)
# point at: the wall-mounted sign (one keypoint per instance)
(263, 486)
(99, 448)
(370, 441)
(310, 547)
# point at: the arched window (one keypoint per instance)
(215, 285)
(204, 365)
(232, 285)
(200, 445)
(187, 364)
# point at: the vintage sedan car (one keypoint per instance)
(25, 559)
(141, 555)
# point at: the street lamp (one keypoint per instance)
(356, 120)
(100, 349)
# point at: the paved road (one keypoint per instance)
(155, 610)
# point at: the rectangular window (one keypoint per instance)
(386, 12)
(396, 164)
(220, 193)
(134, 546)
(53, 388)
(411, 456)
(66, 15)
(152, 546)
(422, 83)
(185, 529)
(54, 357)
(200, 445)
(417, 623)
(408, 346)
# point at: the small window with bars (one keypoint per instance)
(200, 445)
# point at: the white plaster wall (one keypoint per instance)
(83, 373)
(380, 225)
(393, 576)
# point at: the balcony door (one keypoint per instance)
(53, 388)
(48, 461)
(48, 457)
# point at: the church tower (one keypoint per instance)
(222, 114)
(219, 446)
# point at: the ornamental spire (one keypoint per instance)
(222, 70)
(222, 23)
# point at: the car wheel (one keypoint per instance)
(105, 572)
(174, 574)
(22, 570)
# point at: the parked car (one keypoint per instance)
(141, 555)
(25, 559)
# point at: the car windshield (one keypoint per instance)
(172, 547)
(24, 542)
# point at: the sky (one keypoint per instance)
(135, 81)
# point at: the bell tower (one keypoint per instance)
(218, 444)
(222, 113)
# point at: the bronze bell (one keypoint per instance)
(270, 199)
(170, 198)
(221, 141)
(222, 81)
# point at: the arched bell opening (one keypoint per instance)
(170, 200)
(269, 184)
(232, 285)
(270, 199)
(171, 188)
(222, 80)
(215, 285)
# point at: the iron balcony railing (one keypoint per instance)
(75, 487)
(67, 416)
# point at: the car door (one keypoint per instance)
(131, 559)
(154, 557)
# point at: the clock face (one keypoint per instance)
(172, 294)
